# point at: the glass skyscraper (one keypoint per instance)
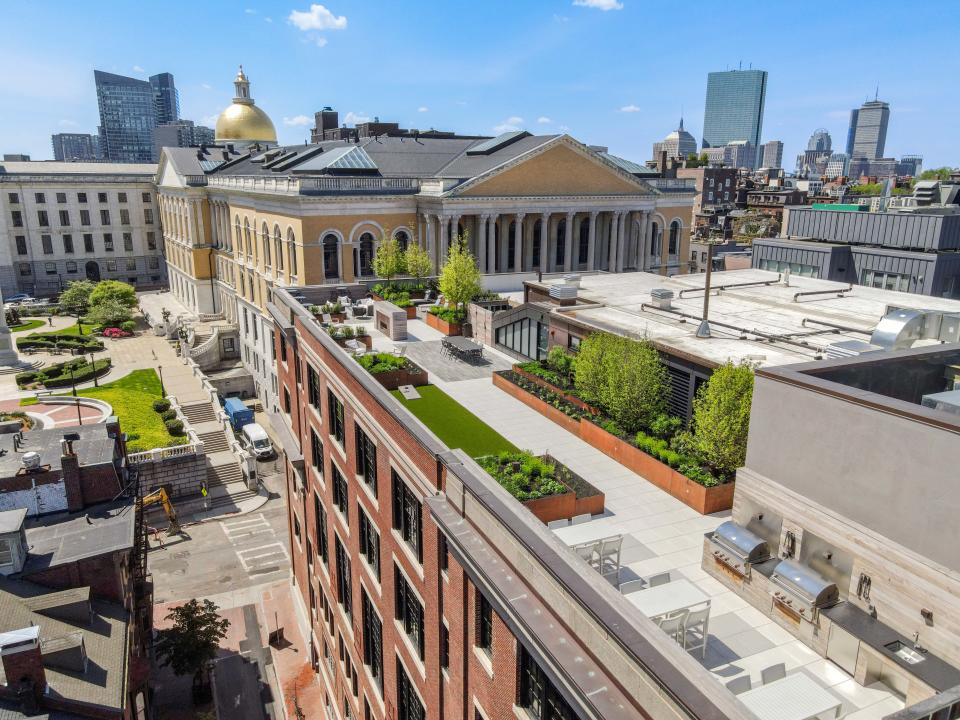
(870, 135)
(129, 111)
(734, 107)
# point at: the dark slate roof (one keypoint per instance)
(68, 537)
(186, 161)
(95, 447)
(469, 166)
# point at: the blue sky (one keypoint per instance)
(609, 72)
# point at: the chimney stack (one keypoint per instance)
(23, 666)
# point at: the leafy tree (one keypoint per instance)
(940, 173)
(704, 159)
(636, 385)
(114, 290)
(109, 312)
(460, 277)
(589, 377)
(191, 644)
(866, 189)
(76, 298)
(389, 260)
(417, 261)
(721, 417)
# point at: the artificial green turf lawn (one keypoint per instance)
(132, 399)
(456, 426)
(28, 325)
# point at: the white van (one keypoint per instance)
(256, 441)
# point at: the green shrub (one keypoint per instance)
(721, 418)
(684, 443)
(560, 360)
(665, 426)
(133, 436)
(128, 326)
(169, 414)
(449, 314)
(376, 363)
(524, 475)
(174, 427)
(161, 405)
(25, 377)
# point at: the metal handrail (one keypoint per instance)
(838, 293)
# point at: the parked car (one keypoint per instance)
(18, 299)
(255, 440)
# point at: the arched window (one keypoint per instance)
(673, 245)
(292, 251)
(583, 246)
(402, 238)
(331, 257)
(246, 238)
(560, 248)
(365, 255)
(277, 247)
(239, 237)
(654, 239)
(265, 240)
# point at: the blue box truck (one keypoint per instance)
(238, 413)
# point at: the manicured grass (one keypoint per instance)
(72, 330)
(28, 325)
(456, 426)
(132, 399)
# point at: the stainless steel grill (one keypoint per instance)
(737, 548)
(799, 590)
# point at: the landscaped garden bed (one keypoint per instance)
(26, 422)
(392, 371)
(342, 333)
(546, 487)
(63, 374)
(628, 390)
(334, 309)
(447, 320)
(400, 294)
(66, 339)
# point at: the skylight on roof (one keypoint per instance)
(488, 147)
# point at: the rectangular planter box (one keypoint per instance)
(411, 311)
(553, 388)
(443, 326)
(705, 500)
(365, 339)
(395, 378)
(553, 507)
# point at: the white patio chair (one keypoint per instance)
(400, 350)
(588, 552)
(610, 555)
(554, 524)
(696, 625)
(577, 519)
(631, 586)
(773, 673)
(739, 685)
(657, 580)
(672, 624)
(327, 319)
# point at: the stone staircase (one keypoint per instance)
(214, 441)
(223, 472)
(199, 412)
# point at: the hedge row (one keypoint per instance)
(87, 344)
(59, 375)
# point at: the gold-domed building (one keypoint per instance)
(243, 121)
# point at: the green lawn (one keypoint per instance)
(29, 324)
(71, 330)
(456, 426)
(132, 399)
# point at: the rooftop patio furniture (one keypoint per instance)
(588, 552)
(327, 319)
(739, 684)
(609, 552)
(399, 350)
(672, 597)
(461, 347)
(672, 624)
(773, 673)
(356, 347)
(694, 633)
(631, 586)
(553, 524)
(426, 300)
(659, 579)
(584, 532)
(795, 697)
(577, 519)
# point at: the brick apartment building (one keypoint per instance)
(430, 592)
(75, 603)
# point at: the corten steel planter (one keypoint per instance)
(447, 328)
(411, 310)
(705, 500)
(572, 399)
(367, 341)
(395, 378)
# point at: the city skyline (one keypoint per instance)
(620, 94)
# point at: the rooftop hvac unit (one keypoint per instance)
(31, 460)
(662, 297)
(850, 348)
(948, 401)
(563, 292)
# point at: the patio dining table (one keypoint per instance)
(657, 601)
(462, 346)
(795, 697)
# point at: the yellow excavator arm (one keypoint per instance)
(160, 496)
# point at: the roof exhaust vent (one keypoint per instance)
(662, 298)
(31, 461)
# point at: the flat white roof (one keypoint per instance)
(769, 309)
(38, 167)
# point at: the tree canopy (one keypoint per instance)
(191, 644)
(940, 173)
(114, 290)
(109, 312)
(460, 277)
(389, 260)
(721, 417)
(417, 261)
(76, 298)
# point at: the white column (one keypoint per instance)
(568, 243)
(454, 228)
(644, 244)
(492, 243)
(518, 245)
(614, 259)
(431, 240)
(528, 259)
(482, 243)
(591, 241)
(444, 240)
(544, 242)
(622, 241)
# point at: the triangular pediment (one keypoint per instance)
(167, 174)
(562, 167)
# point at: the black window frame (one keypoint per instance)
(408, 610)
(335, 410)
(341, 492)
(409, 706)
(316, 452)
(366, 458)
(313, 387)
(372, 634)
(484, 638)
(536, 694)
(320, 528)
(369, 541)
(407, 514)
(344, 579)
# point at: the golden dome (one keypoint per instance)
(243, 121)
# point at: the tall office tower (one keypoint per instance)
(72, 147)
(167, 98)
(820, 141)
(182, 133)
(871, 134)
(852, 131)
(128, 114)
(734, 107)
(772, 154)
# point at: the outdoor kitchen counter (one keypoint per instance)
(933, 671)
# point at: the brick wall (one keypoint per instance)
(180, 475)
(101, 573)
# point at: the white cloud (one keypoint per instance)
(630, 108)
(423, 108)
(544, 120)
(268, 19)
(67, 123)
(561, 18)
(600, 4)
(317, 18)
(296, 121)
(509, 125)
(320, 41)
(354, 118)
(206, 86)
(138, 69)
(250, 11)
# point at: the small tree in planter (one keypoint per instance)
(721, 418)
(590, 370)
(637, 385)
(389, 260)
(460, 277)
(417, 262)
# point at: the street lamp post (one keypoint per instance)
(73, 382)
(93, 367)
(163, 392)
